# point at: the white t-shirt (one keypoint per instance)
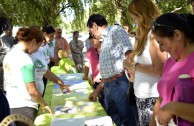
(46, 51)
(52, 46)
(41, 67)
(18, 71)
(145, 86)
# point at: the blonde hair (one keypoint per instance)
(146, 11)
(62, 54)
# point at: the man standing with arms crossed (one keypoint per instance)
(115, 47)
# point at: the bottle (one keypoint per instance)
(184, 92)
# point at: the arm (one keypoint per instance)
(70, 47)
(66, 45)
(156, 108)
(158, 59)
(95, 93)
(36, 96)
(180, 109)
(86, 70)
(52, 77)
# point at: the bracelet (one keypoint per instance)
(134, 66)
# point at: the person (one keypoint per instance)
(49, 48)
(41, 69)
(192, 4)
(174, 34)
(114, 48)
(6, 42)
(76, 47)
(19, 81)
(92, 59)
(18, 35)
(146, 59)
(61, 43)
(4, 106)
(8, 39)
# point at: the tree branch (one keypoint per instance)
(179, 8)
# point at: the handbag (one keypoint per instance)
(131, 95)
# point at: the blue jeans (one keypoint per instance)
(116, 102)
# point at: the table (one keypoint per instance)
(72, 109)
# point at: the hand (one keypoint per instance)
(62, 87)
(164, 116)
(79, 66)
(126, 63)
(130, 74)
(85, 78)
(93, 96)
(47, 108)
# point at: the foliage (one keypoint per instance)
(175, 6)
(43, 12)
(40, 12)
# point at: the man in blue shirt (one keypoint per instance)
(115, 47)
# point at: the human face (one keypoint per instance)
(49, 37)
(95, 42)
(94, 31)
(8, 32)
(58, 33)
(135, 18)
(170, 45)
(76, 36)
(34, 46)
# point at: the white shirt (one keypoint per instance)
(17, 93)
(145, 86)
(41, 67)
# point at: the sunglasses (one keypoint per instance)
(154, 25)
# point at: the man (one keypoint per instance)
(6, 42)
(76, 47)
(61, 43)
(114, 48)
(7, 39)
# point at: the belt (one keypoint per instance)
(112, 78)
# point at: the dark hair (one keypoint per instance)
(90, 36)
(165, 25)
(192, 1)
(28, 34)
(48, 29)
(75, 32)
(98, 19)
(4, 24)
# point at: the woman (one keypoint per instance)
(76, 46)
(175, 35)
(41, 68)
(146, 59)
(22, 93)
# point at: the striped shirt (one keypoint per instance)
(115, 44)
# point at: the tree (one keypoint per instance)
(174, 6)
(44, 12)
(111, 8)
(39, 12)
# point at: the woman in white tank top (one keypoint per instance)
(146, 59)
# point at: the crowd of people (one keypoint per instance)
(159, 58)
